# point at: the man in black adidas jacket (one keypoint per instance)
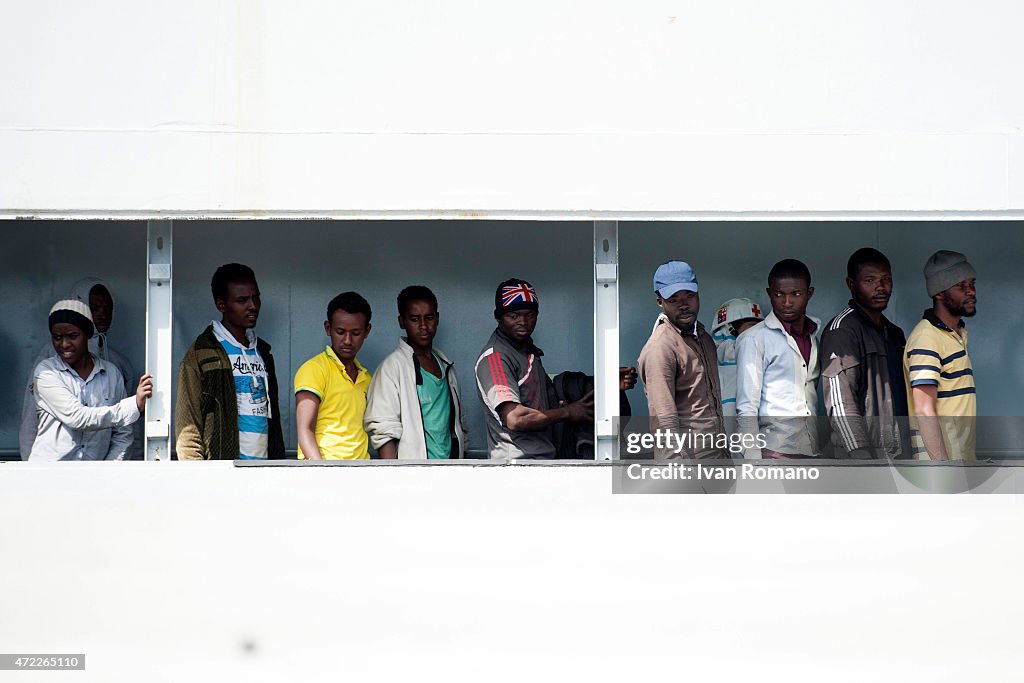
(862, 366)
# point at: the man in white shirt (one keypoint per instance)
(777, 369)
(81, 408)
(99, 297)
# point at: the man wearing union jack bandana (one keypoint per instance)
(518, 397)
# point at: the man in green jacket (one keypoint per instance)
(227, 404)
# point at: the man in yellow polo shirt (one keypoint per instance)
(330, 388)
(940, 379)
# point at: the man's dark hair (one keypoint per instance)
(789, 268)
(229, 272)
(415, 293)
(864, 257)
(350, 302)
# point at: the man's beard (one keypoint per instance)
(959, 311)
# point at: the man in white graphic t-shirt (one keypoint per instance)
(227, 389)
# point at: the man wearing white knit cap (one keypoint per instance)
(100, 299)
(80, 401)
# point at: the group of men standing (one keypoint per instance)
(83, 397)
(81, 401)
(411, 407)
(885, 396)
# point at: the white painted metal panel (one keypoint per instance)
(444, 109)
(204, 572)
(606, 339)
(159, 338)
(510, 176)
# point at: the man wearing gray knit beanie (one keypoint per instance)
(942, 393)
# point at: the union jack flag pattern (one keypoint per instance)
(516, 294)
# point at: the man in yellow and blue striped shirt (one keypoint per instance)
(940, 379)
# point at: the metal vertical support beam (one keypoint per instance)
(606, 339)
(159, 361)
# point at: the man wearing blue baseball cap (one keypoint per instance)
(679, 364)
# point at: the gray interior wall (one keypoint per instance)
(733, 259)
(300, 265)
(39, 262)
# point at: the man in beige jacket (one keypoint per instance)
(679, 369)
(413, 408)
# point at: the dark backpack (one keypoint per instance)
(573, 440)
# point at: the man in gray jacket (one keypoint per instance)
(413, 407)
(518, 397)
(862, 366)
